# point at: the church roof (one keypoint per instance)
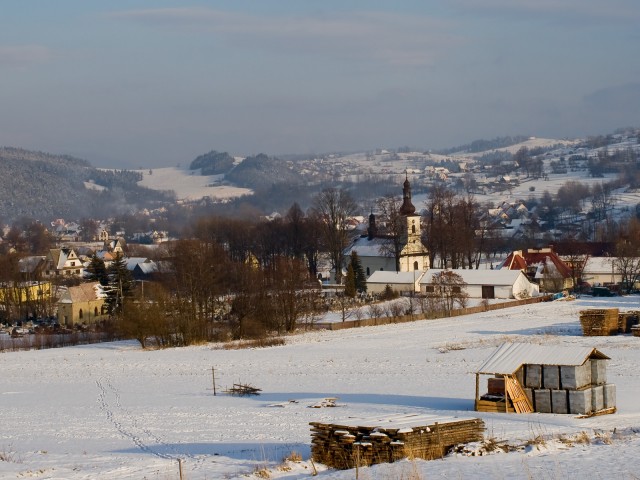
(366, 247)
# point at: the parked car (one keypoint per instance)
(602, 292)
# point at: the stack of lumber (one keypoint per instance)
(627, 320)
(362, 442)
(599, 321)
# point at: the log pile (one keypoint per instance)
(627, 320)
(363, 442)
(599, 321)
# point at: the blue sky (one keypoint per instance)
(156, 83)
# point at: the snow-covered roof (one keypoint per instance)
(508, 357)
(599, 265)
(386, 277)
(368, 248)
(478, 277)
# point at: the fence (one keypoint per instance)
(370, 322)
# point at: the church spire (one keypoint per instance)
(407, 207)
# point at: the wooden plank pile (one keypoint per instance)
(628, 320)
(243, 389)
(599, 321)
(363, 442)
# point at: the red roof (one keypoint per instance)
(522, 259)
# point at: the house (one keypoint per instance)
(487, 283)
(115, 246)
(401, 282)
(601, 271)
(82, 304)
(63, 262)
(528, 378)
(32, 267)
(542, 266)
(141, 268)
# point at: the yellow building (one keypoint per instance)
(82, 304)
(23, 292)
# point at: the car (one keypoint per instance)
(602, 292)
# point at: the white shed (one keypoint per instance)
(489, 283)
(398, 281)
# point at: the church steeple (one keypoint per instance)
(373, 230)
(407, 207)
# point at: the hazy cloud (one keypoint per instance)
(23, 55)
(623, 98)
(391, 39)
(578, 10)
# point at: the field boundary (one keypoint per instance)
(372, 322)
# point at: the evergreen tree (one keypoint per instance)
(120, 284)
(97, 271)
(350, 282)
(360, 277)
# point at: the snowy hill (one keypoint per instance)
(116, 411)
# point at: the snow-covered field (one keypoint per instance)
(189, 184)
(116, 411)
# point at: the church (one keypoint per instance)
(376, 251)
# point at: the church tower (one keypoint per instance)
(414, 255)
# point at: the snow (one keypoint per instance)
(114, 410)
(189, 184)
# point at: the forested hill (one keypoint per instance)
(43, 186)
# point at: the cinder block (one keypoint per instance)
(543, 400)
(551, 377)
(533, 376)
(609, 395)
(580, 401)
(529, 393)
(575, 377)
(598, 371)
(559, 401)
(597, 397)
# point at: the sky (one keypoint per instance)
(134, 83)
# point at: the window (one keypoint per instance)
(73, 264)
(368, 273)
(80, 314)
(429, 289)
(413, 229)
(415, 265)
(456, 289)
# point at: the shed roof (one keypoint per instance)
(384, 276)
(509, 357)
(478, 277)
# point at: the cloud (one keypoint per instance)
(388, 39)
(577, 10)
(618, 98)
(23, 55)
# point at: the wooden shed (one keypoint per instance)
(547, 379)
(358, 442)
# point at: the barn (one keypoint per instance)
(401, 282)
(528, 378)
(487, 283)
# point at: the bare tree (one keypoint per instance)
(393, 225)
(627, 262)
(334, 207)
(448, 289)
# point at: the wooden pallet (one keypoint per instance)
(517, 396)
